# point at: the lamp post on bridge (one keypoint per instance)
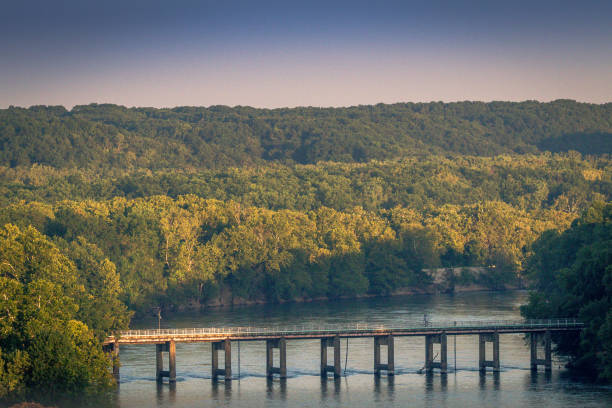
(159, 317)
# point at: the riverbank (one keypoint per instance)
(230, 301)
(442, 280)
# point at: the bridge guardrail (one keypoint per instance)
(249, 331)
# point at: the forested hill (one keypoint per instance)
(104, 136)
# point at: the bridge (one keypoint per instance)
(435, 333)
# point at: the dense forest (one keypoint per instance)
(572, 272)
(137, 208)
(281, 232)
(111, 136)
(565, 182)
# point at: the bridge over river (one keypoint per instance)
(435, 334)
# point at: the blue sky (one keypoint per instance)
(307, 53)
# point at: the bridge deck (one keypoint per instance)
(201, 335)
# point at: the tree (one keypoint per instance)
(572, 272)
(42, 342)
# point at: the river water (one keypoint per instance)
(514, 386)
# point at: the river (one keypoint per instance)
(514, 386)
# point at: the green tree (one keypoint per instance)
(572, 272)
(42, 342)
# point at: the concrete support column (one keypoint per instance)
(115, 359)
(172, 361)
(547, 360)
(281, 345)
(429, 353)
(269, 358)
(282, 350)
(160, 373)
(214, 361)
(533, 340)
(390, 366)
(377, 367)
(225, 345)
(336, 368)
(483, 363)
(430, 364)
(112, 350)
(496, 364)
(159, 358)
(324, 357)
(228, 359)
(547, 351)
(443, 354)
(482, 352)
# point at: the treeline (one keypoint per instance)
(564, 182)
(111, 136)
(176, 252)
(57, 302)
(572, 273)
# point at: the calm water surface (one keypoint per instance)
(514, 386)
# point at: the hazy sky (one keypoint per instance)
(309, 52)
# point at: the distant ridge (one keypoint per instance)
(105, 135)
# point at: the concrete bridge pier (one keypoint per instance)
(535, 361)
(483, 363)
(226, 372)
(160, 373)
(335, 343)
(390, 366)
(281, 345)
(430, 364)
(112, 349)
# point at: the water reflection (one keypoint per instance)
(435, 382)
(166, 392)
(225, 386)
(384, 388)
(276, 387)
(435, 389)
(538, 378)
(326, 388)
(486, 379)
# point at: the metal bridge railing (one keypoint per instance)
(353, 328)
